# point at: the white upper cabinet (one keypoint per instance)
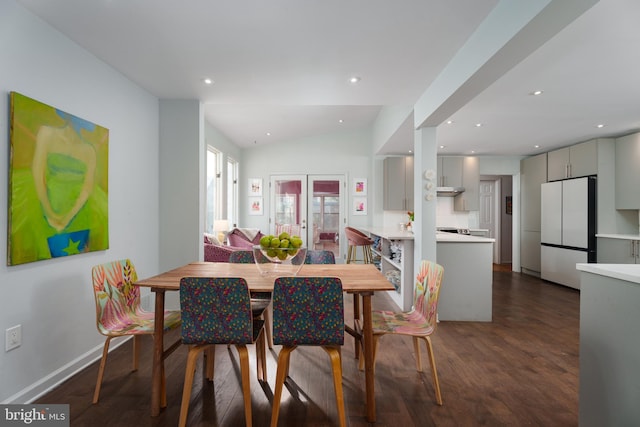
(398, 183)
(628, 172)
(573, 162)
(450, 171)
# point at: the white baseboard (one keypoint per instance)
(51, 381)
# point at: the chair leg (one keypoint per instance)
(266, 315)
(281, 375)
(243, 353)
(190, 370)
(376, 338)
(434, 371)
(416, 349)
(103, 362)
(136, 351)
(261, 357)
(336, 366)
(210, 355)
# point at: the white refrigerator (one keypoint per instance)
(568, 228)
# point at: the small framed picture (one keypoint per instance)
(255, 186)
(359, 205)
(360, 186)
(509, 205)
(255, 206)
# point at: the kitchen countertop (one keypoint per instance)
(627, 272)
(392, 233)
(619, 236)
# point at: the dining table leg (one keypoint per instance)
(367, 333)
(158, 356)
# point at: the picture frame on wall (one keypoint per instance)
(359, 206)
(360, 186)
(255, 206)
(255, 187)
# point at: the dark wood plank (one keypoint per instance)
(520, 369)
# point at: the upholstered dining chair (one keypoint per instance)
(218, 311)
(308, 311)
(260, 301)
(419, 323)
(320, 257)
(119, 313)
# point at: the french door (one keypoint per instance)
(311, 206)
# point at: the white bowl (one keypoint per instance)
(278, 261)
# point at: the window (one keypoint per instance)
(232, 192)
(213, 188)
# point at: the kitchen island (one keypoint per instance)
(466, 293)
(609, 344)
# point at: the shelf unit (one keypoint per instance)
(394, 258)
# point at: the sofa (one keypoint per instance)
(239, 239)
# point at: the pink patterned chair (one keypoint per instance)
(419, 323)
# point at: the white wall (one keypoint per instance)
(347, 153)
(53, 299)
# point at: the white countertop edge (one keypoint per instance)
(627, 272)
(619, 236)
(461, 238)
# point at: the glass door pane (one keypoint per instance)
(289, 205)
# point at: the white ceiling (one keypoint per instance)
(282, 66)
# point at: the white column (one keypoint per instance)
(425, 159)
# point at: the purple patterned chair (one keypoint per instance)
(308, 311)
(218, 311)
(320, 257)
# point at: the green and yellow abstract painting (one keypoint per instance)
(58, 183)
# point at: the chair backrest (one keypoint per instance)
(427, 290)
(320, 257)
(215, 310)
(356, 237)
(308, 311)
(117, 299)
(292, 229)
(241, 257)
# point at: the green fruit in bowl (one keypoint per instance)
(296, 242)
(283, 236)
(284, 243)
(271, 253)
(275, 243)
(282, 255)
(265, 241)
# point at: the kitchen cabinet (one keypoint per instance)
(627, 172)
(398, 183)
(533, 173)
(393, 256)
(450, 171)
(469, 200)
(613, 250)
(573, 162)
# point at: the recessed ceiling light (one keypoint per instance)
(340, 121)
(600, 126)
(478, 125)
(354, 79)
(442, 146)
(537, 92)
(536, 146)
(473, 151)
(268, 134)
(410, 151)
(449, 122)
(207, 81)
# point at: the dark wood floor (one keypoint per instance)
(520, 369)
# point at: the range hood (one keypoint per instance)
(449, 191)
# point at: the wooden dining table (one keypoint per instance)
(362, 280)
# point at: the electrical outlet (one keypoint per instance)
(13, 337)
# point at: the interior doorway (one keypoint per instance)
(496, 214)
(311, 206)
